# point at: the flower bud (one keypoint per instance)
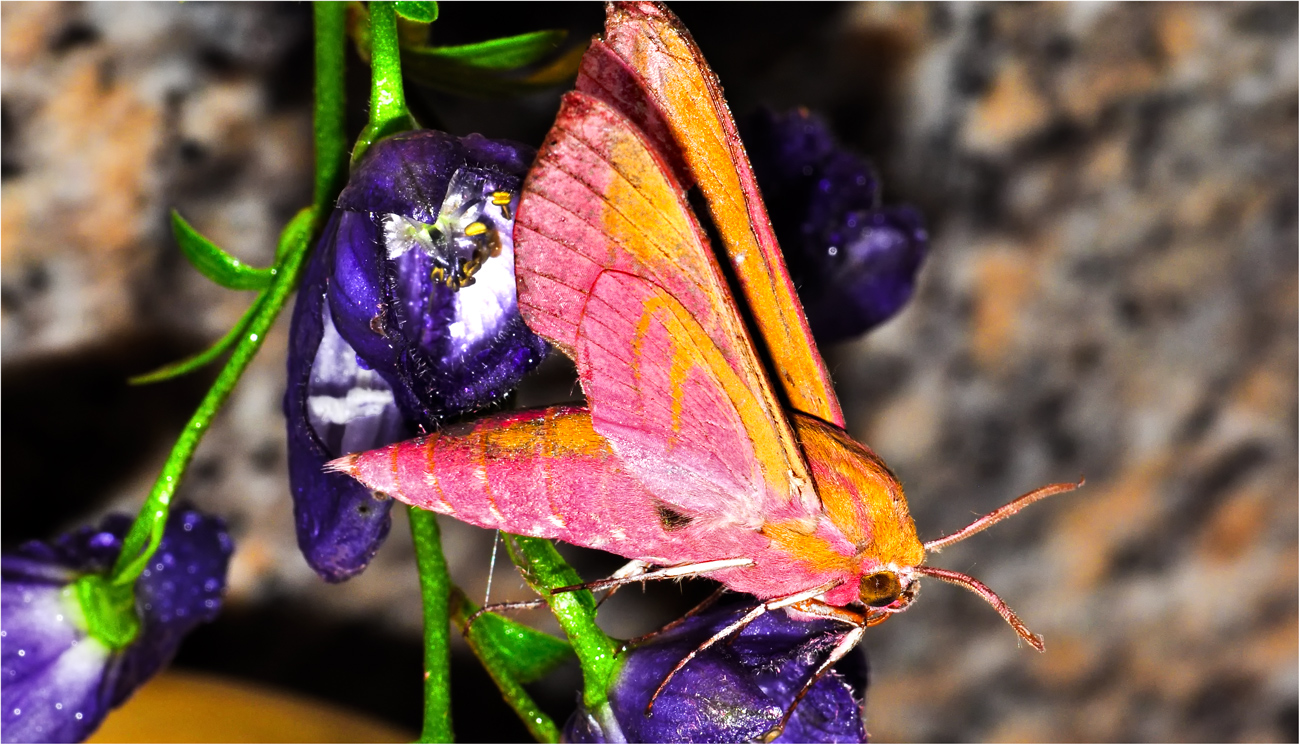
(58, 678)
(407, 317)
(853, 261)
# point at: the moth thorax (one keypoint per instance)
(473, 223)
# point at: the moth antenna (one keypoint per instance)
(1003, 512)
(979, 588)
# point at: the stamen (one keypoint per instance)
(1002, 513)
(979, 588)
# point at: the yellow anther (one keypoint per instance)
(500, 198)
(475, 228)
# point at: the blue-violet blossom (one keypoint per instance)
(57, 680)
(853, 261)
(407, 317)
(733, 692)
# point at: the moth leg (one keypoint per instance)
(700, 608)
(672, 572)
(858, 624)
(630, 569)
(633, 568)
(736, 627)
(730, 628)
(493, 608)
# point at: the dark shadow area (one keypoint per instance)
(361, 667)
(74, 428)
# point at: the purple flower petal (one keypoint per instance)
(730, 693)
(340, 523)
(407, 317)
(408, 212)
(853, 261)
(407, 174)
(58, 683)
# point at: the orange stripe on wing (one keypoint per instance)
(686, 94)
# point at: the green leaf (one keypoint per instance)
(501, 652)
(528, 654)
(502, 54)
(414, 10)
(194, 362)
(216, 264)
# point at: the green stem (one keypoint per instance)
(388, 112)
(146, 532)
(539, 725)
(295, 241)
(545, 570)
(435, 591)
(329, 120)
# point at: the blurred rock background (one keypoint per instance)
(1112, 290)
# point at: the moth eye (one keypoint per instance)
(880, 589)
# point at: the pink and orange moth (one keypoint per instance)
(705, 448)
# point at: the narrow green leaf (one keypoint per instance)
(216, 264)
(501, 54)
(146, 532)
(456, 76)
(490, 648)
(194, 362)
(415, 10)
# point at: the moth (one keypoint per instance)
(712, 443)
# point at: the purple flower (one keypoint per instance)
(853, 261)
(57, 680)
(407, 317)
(732, 692)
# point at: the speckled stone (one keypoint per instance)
(1111, 291)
